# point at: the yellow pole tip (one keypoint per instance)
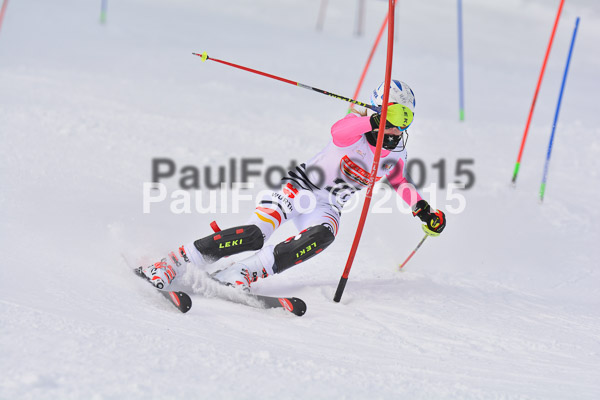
(203, 56)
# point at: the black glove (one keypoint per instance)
(375, 120)
(435, 222)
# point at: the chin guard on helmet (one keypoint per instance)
(390, 142)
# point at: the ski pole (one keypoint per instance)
(562, 88)
(205, 57)
(413, 252)
(397, 114)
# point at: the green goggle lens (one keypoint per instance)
(400, 116)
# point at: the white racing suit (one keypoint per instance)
(312, 195)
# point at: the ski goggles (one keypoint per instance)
(399, 116)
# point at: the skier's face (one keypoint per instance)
(392, 131)
(395, 138)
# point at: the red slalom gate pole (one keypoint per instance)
(2, 12)
(537, 89)
(375, 167)
(364, 73)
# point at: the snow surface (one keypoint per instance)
(504, 305)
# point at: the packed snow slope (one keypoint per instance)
(505, 304)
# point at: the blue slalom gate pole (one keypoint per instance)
(461, 94)
(562, 88)
(103, 7)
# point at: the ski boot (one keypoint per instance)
(163, 272)
(244, 273)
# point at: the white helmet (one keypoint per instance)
(401, 102)
(400, 93)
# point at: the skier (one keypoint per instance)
(325, 182)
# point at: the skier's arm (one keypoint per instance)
(403, 187)
(435, 220)
(349, 129)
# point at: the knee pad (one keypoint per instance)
(230, 241)
(305, 245)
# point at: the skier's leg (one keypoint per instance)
(276, 259)
(205, 251)
(228, 242)
(317, 231)
(312, 240)
(305, 245)
(272, 210)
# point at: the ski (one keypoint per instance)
(292, 304)
(183, 302)
(180, 300)
(222, 291)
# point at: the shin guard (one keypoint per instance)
(230, 241)
(301, 247)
